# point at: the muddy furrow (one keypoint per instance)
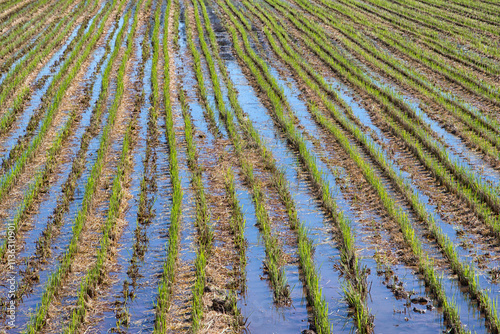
(438, 99)
(361, 199)
(26, 126)
(127, 305)
(16, 7)
(84, 99)
(217, 301)
(314, 218)
(48, 81)
(27, 67)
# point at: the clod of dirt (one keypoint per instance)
(419, 310)
(401, 294)
(222, 305)
(420, 300)
(494, 275)
(220, 301)
(308, 331)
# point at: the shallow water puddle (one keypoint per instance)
(257, 305)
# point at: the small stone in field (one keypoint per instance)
(420, 300)
(418, 310)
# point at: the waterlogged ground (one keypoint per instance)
(262, 166)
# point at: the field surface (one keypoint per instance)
(249, 166)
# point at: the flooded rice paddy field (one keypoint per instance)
(261, 166)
